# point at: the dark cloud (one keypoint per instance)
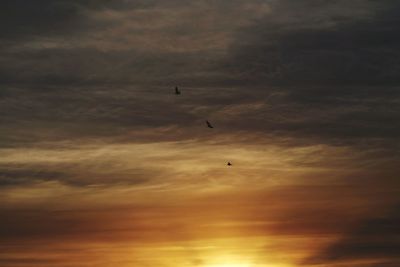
(77, 174)
(27, 19)
(62, 113)
(375, 239)
(310, 43)
(10, 176)
(91, 66)
(335, 70)
(21, 20)
(62, 42)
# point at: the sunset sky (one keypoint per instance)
(101, 164)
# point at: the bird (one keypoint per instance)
(209, 124)
(177, 92)
(229, 164)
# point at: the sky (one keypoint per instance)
(101, 164)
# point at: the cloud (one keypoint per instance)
(23, 20)
(305, 66)
(375, 239)
(25, 175)
(17, 176)
(315, 42)
(57, 42)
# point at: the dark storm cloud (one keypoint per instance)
(377, 239)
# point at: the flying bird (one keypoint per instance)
(209, 124)
(177, 92)
(229, 164)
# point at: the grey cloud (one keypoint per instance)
(9, 176)
(91, 66)
(62, 113)
(104, 41)
(78, 174)
(25, 19)
(30, 18)
(335, 70)
(292, 46)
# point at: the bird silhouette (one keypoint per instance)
(177, 92)
(229, 164)
(209, 124)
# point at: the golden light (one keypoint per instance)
(229, 261)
